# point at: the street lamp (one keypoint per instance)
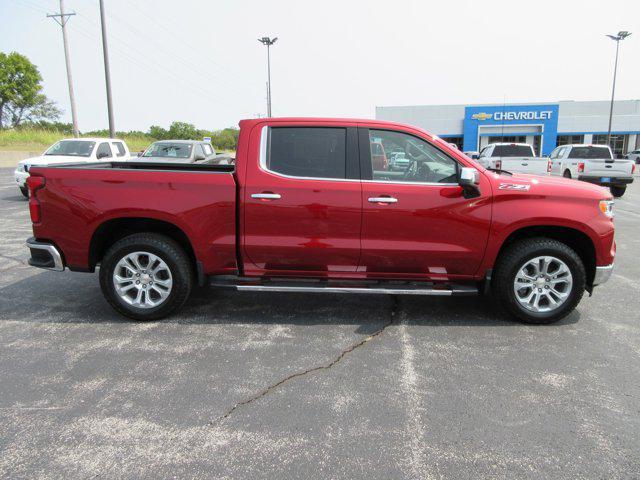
(268, 42)
(621, 36)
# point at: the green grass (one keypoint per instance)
(36, 140)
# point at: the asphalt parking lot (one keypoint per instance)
(242, 385)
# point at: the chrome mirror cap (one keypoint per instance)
(469, 177)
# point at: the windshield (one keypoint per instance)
(590, 152)
(168, 150)
(72, 148)
(512, 151)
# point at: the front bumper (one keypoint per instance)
(44, 255)
(614, 180)
(602, 274)
(21, 178)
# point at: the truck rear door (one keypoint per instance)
(302, 201)
(597, 161)
(518, 158)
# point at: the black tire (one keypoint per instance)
(567, 174)
(168, 251)
(24, 191)
(617, 191)
(515, 256)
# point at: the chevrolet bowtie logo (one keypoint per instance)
(482, 116)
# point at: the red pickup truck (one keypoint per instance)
(304, 209)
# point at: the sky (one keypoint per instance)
(200, 61)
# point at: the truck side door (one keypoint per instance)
(416, 223)
(302, 200)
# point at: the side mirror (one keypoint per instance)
(140, 153)
(469, 177)
(101, 155)
(198, 157)
(469, 181)
(475, 156)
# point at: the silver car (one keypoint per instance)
(184, 151)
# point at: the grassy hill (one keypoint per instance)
(36, 140)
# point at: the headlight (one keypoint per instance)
(606, 207)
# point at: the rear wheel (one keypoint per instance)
(539, 280)
(566, 174)
(617, 191)
(24, 191)
(146, 276)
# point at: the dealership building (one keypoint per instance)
(543, 125)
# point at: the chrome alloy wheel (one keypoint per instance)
(542, 284)
(142, 279)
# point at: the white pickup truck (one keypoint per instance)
(593, 164)
(72, 151)
(514, 157)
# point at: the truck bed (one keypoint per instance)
(81, 200)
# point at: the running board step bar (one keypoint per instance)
(380, 288)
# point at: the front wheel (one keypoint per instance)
(146, 276)
(617, 191)
(539, 280)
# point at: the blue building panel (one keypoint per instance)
(476, 117)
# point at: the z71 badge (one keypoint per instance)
(514, 186)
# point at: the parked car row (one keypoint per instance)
(112, 149)
(590, 163)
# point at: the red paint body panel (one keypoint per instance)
(320, 228)
(76, 202)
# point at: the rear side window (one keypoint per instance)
(589, 152)
(307, 152)
(104, 151)
(120, 149)
(513, 151)
(208, 150)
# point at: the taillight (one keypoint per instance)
(633, 168)
(581, 168)
(34, 184)
(548, 166)
(498, 164)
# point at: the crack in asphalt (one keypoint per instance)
(394, 310)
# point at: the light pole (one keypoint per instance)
(268, 42)
(621, 36)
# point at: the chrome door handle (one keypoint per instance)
(266, 196)
(383, 200)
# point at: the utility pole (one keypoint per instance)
(107, 74)
(62, 19)
(621, 36)
(268, 42)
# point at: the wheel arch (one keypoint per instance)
(574, 238)
(110, 231)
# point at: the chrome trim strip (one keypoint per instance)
(602, 274)
(374, 290)
(272, 196)
(263, 166)
(383, 200)
(58, 265)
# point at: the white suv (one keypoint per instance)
(71, 151)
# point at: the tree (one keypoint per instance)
(20, 92)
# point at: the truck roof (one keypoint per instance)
(181, 141)
(585, 145)
(511, 143)
(94, 139)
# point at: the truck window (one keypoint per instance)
(589, 152)
(513, 151)
(208, 149)
(316, 152)
(421, 162)
(120, 148)
(104, 151)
